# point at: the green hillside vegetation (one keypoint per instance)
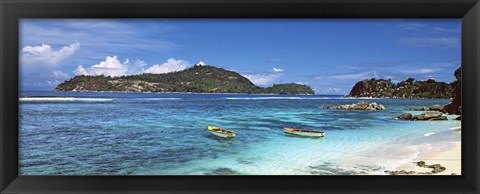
(197, 79)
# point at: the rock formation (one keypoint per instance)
(362, 105)
(381, 88)
(455, 107)
(426, 116)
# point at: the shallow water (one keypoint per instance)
(65, 133)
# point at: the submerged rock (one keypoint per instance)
(223, 171)
(405, 116)
(362, 105)
(400, 172)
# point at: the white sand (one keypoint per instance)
(449, 158)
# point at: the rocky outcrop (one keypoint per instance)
(381, 88)
(436, 168)
(362, 105)
(455, 107)
(405, 116)
(426, 116)
(400, 172)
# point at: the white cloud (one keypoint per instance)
(201, 63)
(419, 71)
(53, 83)
(59, 74)
(333, 90)
(351, 67)
(451, 30)
(110, 67)
(277, 70)
(429, 77)
(263, 79)
(137, 67)
(170, 65)
(302, 83)
(445, 42)
(411, 26)
(46, 54)
(363, 75)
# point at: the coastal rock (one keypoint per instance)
(436, 168)
(400, 172)
(431, 115)
(455, 107)
(423, 108)
(362, 105)
(459, 118)
(426, 116)
(405, 116)
(436, 108)
(381, 88)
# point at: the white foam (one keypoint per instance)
(160, 98)
(456, 128)
(281, 98)
(428, 134)
(63, 99)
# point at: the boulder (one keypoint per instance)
(436, 108)
(423, 108)
(405, 116)
(427, 115)
(440, 118)
(400, 172)
(436, 168)
(362, 105)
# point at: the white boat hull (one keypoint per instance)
(222, 135)
(307, 134)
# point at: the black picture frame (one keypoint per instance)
(12, 10)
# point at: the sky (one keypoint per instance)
(330, 55)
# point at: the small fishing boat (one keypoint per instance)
(219, 132)
(303, 132)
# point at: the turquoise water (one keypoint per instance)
(64, 133)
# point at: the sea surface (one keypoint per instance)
(88, 133)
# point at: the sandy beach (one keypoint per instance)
(450, 158)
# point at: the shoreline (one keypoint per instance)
(344, 96)
(450, 157)
(185, 93)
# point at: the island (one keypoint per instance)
(196, 79)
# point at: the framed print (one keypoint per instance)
(226, 96)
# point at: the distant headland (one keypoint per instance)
(409, 88)
(197, 79)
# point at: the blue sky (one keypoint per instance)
(330, 55)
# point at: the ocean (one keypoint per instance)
(108, 133)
